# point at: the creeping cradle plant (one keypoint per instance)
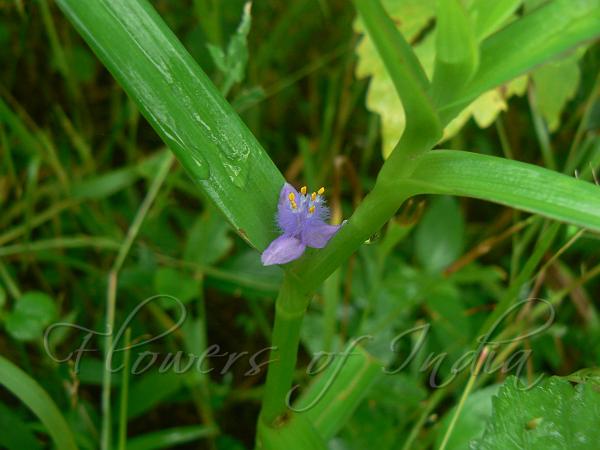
(348, 308)
(301, 217)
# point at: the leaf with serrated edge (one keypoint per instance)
(552, 415)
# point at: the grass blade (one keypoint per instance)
(37, 399)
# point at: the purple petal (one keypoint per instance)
(286, 190)
(317, 234)
(282, 250)
(288, 220)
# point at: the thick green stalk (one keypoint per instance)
(303, 278)
(421, 133)
(397, 54)
(289, 311)
(423, 128)
(374, 211)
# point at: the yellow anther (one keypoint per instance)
(313, 196)
(321, 191)
(303, 190)
(311, 209)
(292, 197)
(293, 203)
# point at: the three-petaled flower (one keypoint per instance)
(301, 217)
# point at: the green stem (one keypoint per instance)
(202, 390)
(463, 398)
(97, 242)
(124, 392)
(374, 211)
(60, 57)
(9, 282)
(302, 280)
(111, 295)
(289, 311)
(581, 128)
(423, 128)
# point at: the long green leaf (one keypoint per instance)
(334, 396)
(488, 16)
(512, 183)
(185, 108)
(37, 399)
(457, 52)
(537, 37)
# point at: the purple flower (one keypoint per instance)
(301, 217)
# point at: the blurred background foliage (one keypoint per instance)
(77, 161)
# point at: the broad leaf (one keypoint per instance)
(15, 434)
(31, 314)
(550, 416)
(555, 84)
